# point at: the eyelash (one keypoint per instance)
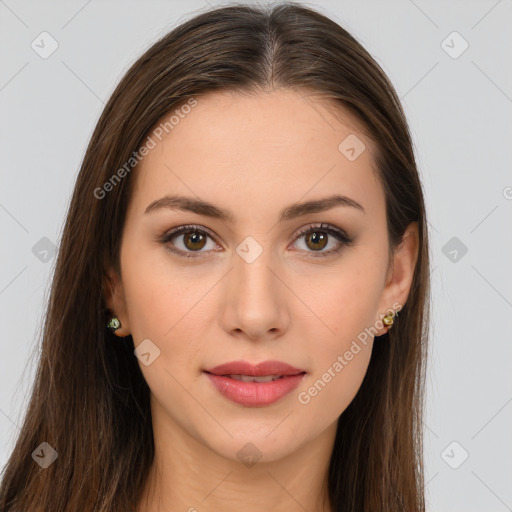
(344, 239)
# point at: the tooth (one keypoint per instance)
(250, 378)
(266, 378)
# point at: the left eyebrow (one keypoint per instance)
(200, 207)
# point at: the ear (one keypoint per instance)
(400, 273)
(115, 301)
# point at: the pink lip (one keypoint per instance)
(255, 370)
(255, 394)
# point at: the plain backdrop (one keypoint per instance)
(450, 63)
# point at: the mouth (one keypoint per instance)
(255, 385)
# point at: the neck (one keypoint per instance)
(188, 476)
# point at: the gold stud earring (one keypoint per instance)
(388, 320)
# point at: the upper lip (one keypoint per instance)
(255, 370)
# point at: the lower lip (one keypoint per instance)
(255, 394)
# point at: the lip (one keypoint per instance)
(255, 394)
(255, 370)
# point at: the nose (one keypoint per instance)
(255, 299)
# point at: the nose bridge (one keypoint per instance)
(252, 274)
(254, 304)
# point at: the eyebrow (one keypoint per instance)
(190, 204)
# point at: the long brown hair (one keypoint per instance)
(90, 401)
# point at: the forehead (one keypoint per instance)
(245, 149)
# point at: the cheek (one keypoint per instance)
(167, 305)
(330, 390)
(339, 361)
(340, 345)
(157, 292)
(344, 301)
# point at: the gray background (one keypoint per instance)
(459, 107)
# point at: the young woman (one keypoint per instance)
(223, 328)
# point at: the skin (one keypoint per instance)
(253, 155)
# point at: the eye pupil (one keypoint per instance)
(317, 238)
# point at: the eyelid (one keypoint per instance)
(328, 228)
(343, 238)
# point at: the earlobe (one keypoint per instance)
(113, 295)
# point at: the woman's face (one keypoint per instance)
(249, 286)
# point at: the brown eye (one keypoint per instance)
(194, 240)
(316, 240)
(187, 241)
